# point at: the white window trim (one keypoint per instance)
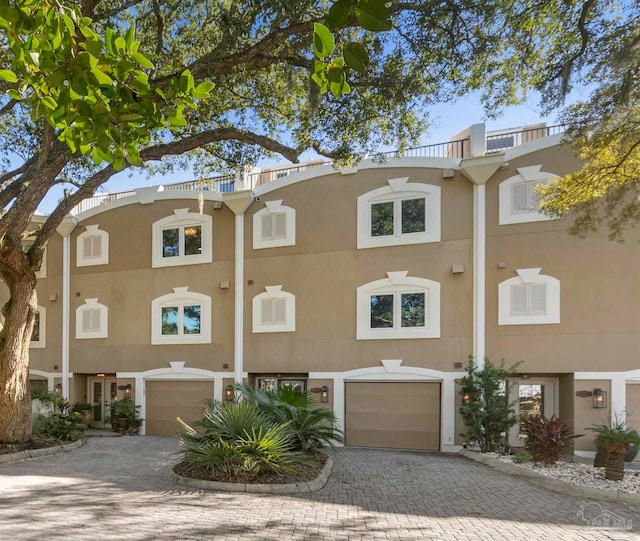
(42, 343)
(102, 332)
(183, 218)
(274, 292)
(181, 296)
(42, 273)
(274, 207)
(85, 261)
(398, 189)
(399, 282)
(505, 211)
(529, 276)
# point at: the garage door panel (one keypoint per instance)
(166, 400)
(401, 415)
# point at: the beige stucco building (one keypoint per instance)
(369, 287)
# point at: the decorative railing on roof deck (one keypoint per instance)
(451, 149)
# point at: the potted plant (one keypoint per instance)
(86, 410)
(134, 425)
(123, 413)
(616, 440)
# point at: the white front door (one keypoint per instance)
(102, 391)
(531, 397)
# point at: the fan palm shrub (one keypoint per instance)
(615, 439)
(312, 427)
(238, 441)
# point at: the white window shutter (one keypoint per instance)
(87, 246)
(267, 227)
(281, 225)
(519, 198)
(96, 245)
(538, 299)
(266, 315)
(519, 300)
(280, 311)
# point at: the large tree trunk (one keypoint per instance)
(15, 400)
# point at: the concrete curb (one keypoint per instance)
(290, 488)
(553, 484)
(29, 454)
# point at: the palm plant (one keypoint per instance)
(312, 427)
(237, 441)
(616, 440)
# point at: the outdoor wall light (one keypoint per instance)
(324, 394)
(58, 388)
(465, 398)
(228, 393)
(599, 398)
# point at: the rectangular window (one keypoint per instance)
(274, 226)
(529, 300)
(191, 319)
(381, 311)
(274, 311)
(413, 216)
(181, 241)
(169, 320)
(382, 219)
(412, 309)
(523, 198)
(90, 320)
(35, 333)
(92, 246)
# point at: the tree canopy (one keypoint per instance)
(92, 87)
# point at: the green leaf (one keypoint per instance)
(130, 35)
(71, 27)
(9, 76)
(203, 89)
(356, 56)
(102, 79)
(49, 102)
(142, 60)
(120, 45)
(373, 15)
(340, 13)
(15, 94)
(323, 42)
(185, 83)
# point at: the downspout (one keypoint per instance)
(65, 229)
(238, 202)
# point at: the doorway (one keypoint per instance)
(102, 391)
(531, 397)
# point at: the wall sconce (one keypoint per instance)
(228, 393)
(58, 388)
(324, 394)
(599, 398)
(465, 398)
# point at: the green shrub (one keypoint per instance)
(238, 441)
(312, 427)
(522, 457)
(547, 439)
(486, 412)
(58, 426)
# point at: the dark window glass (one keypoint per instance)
(382, 219)
(381, 311)
(170, 320)
(193, 240)
(171, 242)
(35, 333)
(413, 215)
(412, 309)
(191, 319)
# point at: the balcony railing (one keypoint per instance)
(229, 183)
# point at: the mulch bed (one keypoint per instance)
(35, 443)
(302, 473)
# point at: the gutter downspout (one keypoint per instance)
(65, 229)
(238, 202)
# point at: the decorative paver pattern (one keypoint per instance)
(118, 489)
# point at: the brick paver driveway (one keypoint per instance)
(117, 489)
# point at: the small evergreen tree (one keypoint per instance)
(486, 410)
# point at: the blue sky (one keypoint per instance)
(447, 121)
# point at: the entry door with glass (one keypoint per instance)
(530, 397)
(102, 391)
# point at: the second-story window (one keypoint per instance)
(182, 239)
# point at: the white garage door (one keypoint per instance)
(166, 400)
(398, 415)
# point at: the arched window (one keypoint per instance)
(182, 239)
(92, 320)
(518, 200)
(530, 298)
(181, 317)
(274, 225)
(274, 311)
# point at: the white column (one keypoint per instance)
(66, 276)
(338, 401)
(448, 409)
(479, 262)
(238, 349)
(619, 397)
